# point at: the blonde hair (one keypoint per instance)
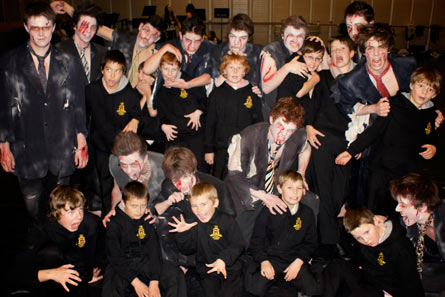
(204, 189)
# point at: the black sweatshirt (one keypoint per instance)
(284, 238)
(132, 248)
(228, 112)
(174, 103)
(219, 238)
(82, 248)
(391, 265)
(397, 138)
(110, 113)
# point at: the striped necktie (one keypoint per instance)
(83, 58)
(270, 171)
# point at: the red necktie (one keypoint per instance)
(379, 84)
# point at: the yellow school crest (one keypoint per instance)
(248, 102)
(297, 225)
(216, 235)
(380, 259)
(81, 241)
(121, 110)
(428, 129)
(141, 232)
(184, 94)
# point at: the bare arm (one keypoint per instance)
(152, 63)
(105, 33)
(303, 159)
(116, 195)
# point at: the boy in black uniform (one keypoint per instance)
(65, 249)
(387, 264)
(112, 106)
(282, 244)
(217, 241)
(132, 248)
(401, 141)
(231, 108)
(180, 110)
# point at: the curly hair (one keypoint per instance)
(379, 31)
(232, 58)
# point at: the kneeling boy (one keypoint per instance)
(387, 259)
(282, 244)
(217, 241)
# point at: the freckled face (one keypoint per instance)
(190, 42)
(376, 56)
(367, 234)
(291, 192)
(70, 219)
(112, 73)
(341, 55)
(86, 28)
(40, 31)
(203, 207)
(234, 72)
(353, 24)
(238, 41)
(135, 207)
(280, 130)
(132, 164)
(293, 38)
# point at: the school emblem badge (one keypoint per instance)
(183, 94)
(381, 260)
(428, 129)
(248, 102)
(121, 110)
(141, 232)
(298, 224)
(216, 235)
(81, 241)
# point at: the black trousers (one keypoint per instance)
(194, 142)
(380, 200)
(105, 179)
(217, 286)
(220, 164)
(172, 282)
(330, 182)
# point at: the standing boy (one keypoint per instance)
(217, 241)
(282, 244)
(231, 107)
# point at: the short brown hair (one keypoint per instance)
(379, 31)
(430, 76)
(232, 58)
(297, 22)
(241, 22)
(36, 9)
(170, 59)
(360, 8)
(204, 189)
(312, 46)
(135, 189)
(62, 197)
(344, 39)
(289, 175)
(126, 143)
(178, 161)
(290, 110)
(355, 217)
(420, 189)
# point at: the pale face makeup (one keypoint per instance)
(203, 207)
(85, 29)
(341, 55)
(147, 35)
(353, 24)
(40, 31)
(293, 38)
(132, 164)
(190, 42)
(238, 41)
(410, 214)
(185, 183)
(281, 131)
(376, 56)
(70, 219)
(291, 192)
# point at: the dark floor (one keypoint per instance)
(13, 218)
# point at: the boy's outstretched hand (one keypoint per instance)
(181, 225)
(194, 119)
(292, 270)
(219, 267)
(96, 275)
(62, 275)
(267, 270)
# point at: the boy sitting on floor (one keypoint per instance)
(217, 241)
(387, 260)
(282, 244)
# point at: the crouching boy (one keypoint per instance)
(282, 244)
(387, 260)
(217, 241)
(132, 248)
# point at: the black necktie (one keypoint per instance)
(41, 68)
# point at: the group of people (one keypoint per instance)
(113, 147)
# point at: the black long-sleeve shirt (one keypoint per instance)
(284, 238)
(132, 248)
(228, 112)
(397, 138)
(219, 238)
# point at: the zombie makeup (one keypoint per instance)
(132, 164)
(190, 42)
(85, 30)
(410, 214)
(281, 131)
(238, 41)
(147, 35)
(293, 38)
(185, 183)
(353, 24)
(376, 56)
(40, 31)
